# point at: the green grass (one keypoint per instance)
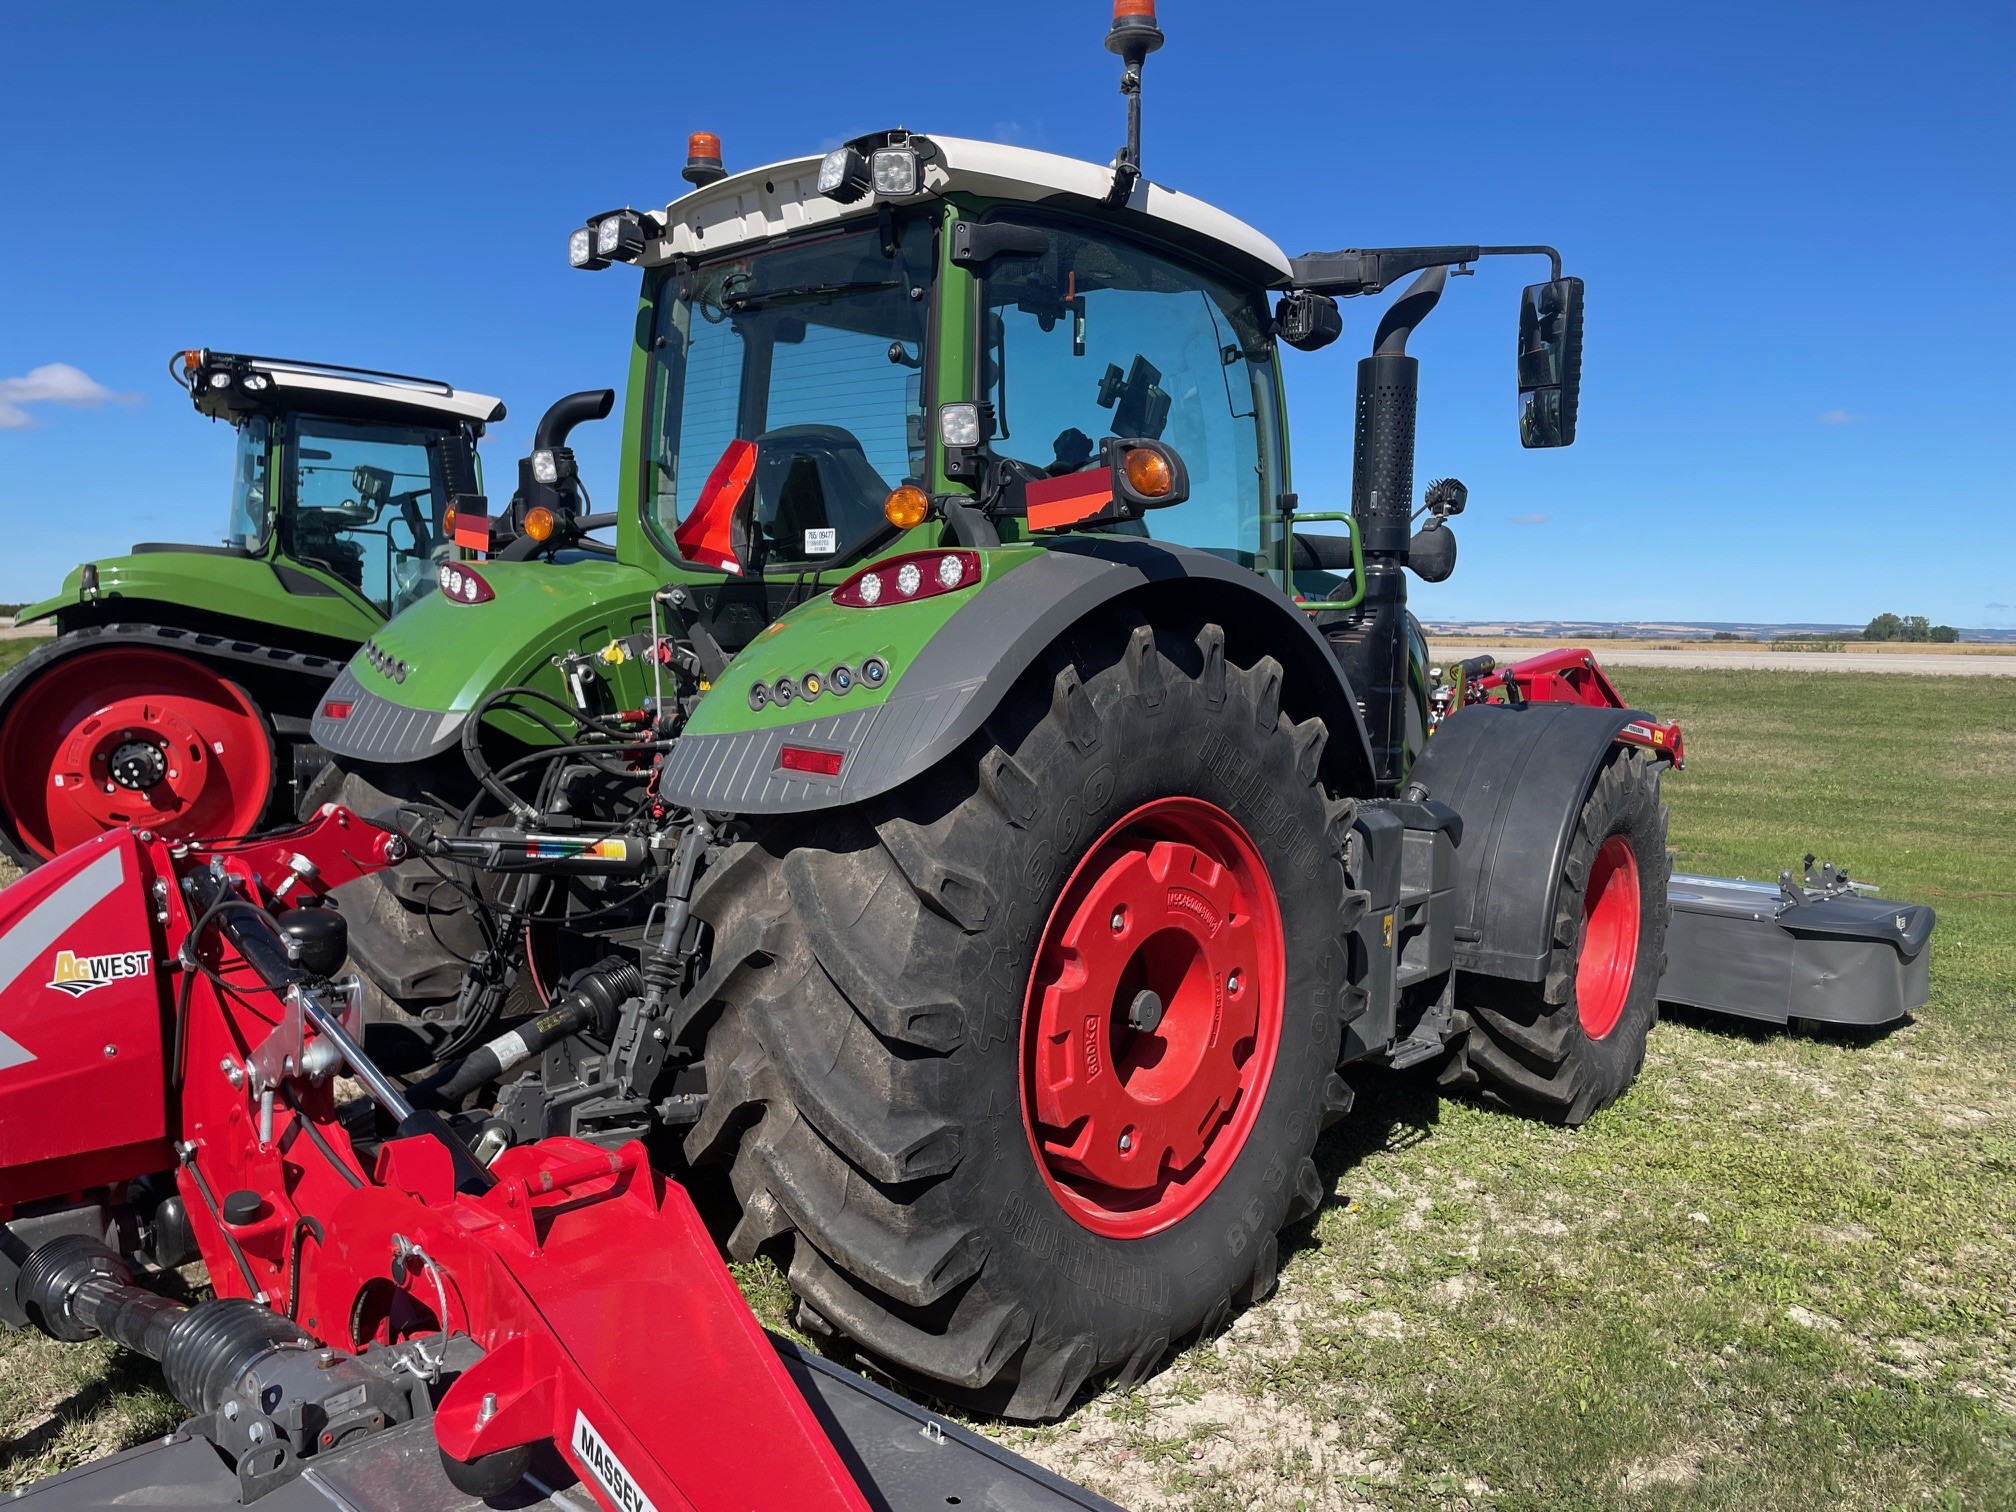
(1777, 1275)
(14, 648)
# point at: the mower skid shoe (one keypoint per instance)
(909, 1460)
(1777, 953)
(904, 1459)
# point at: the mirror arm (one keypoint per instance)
(1347, 274)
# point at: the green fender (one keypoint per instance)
(407, 694)
(953, 658)
(296, 602)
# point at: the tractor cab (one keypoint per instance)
(342, 475)
(177, 692)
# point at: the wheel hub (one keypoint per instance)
(137, 765)
(1153, 1017)
(1610, 922)
(131, 735)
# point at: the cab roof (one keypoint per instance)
(230, 386)
(783, 197)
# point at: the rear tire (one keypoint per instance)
(1570, 1044)
(877, 975)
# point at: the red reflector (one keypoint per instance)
(808, 759)
(336, 710)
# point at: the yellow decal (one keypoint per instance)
(1386, 930)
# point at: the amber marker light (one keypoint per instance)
(907, 505)
(540, 523)
(1148, 473)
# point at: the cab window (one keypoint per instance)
(368, 502)
(813, 350)
(1100, 337)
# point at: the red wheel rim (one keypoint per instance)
(132, 736)
(1609, 937)
(1135, 1119)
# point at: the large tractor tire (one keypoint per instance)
(95, 737)
(1570, 1044)
(1018, 1070)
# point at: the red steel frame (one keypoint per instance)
(588, 1281)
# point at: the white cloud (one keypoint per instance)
(1840, 417)
(52, 383)
(1532, 519)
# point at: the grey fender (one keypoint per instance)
(1519, 777)
(946, 693)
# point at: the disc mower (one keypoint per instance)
(177, 693)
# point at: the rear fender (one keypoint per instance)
(941, 695)
(82, 1079)
(1518, 776)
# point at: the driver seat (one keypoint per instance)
(815, 477)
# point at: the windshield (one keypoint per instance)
(815, 352)
(368, 502)
(251, 520)
(1100, 337)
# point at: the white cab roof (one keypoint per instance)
(440, 399)
(783, 197)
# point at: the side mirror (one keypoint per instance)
(1550, 362)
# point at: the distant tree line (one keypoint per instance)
(1908, 627)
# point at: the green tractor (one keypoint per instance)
(177, 693)
(972, 809)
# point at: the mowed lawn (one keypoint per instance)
(1778, 1275)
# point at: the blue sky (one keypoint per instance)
(1796, 222)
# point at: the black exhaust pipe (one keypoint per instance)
(1382, 493)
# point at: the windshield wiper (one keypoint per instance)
(738, 303)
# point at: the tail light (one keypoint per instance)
(914, 575)
(461, 584)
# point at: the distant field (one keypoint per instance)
(1777, 1276)
(1673, 643)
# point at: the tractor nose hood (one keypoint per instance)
(408, 691)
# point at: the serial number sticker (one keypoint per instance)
(601, 1462)
(822, 542)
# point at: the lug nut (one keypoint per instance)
(1119, 920)
(1233, 983)
(1126, 1142)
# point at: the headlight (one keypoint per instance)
(896, 172)
(959, 424)
(843, 175)
(609, 236)
(544, 468)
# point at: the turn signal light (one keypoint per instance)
(914, 575)
(1148, 473)
(192, 360)
(907, 505)
(541, 522)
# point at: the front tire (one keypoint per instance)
(924, 1065)
(1564, 1047)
